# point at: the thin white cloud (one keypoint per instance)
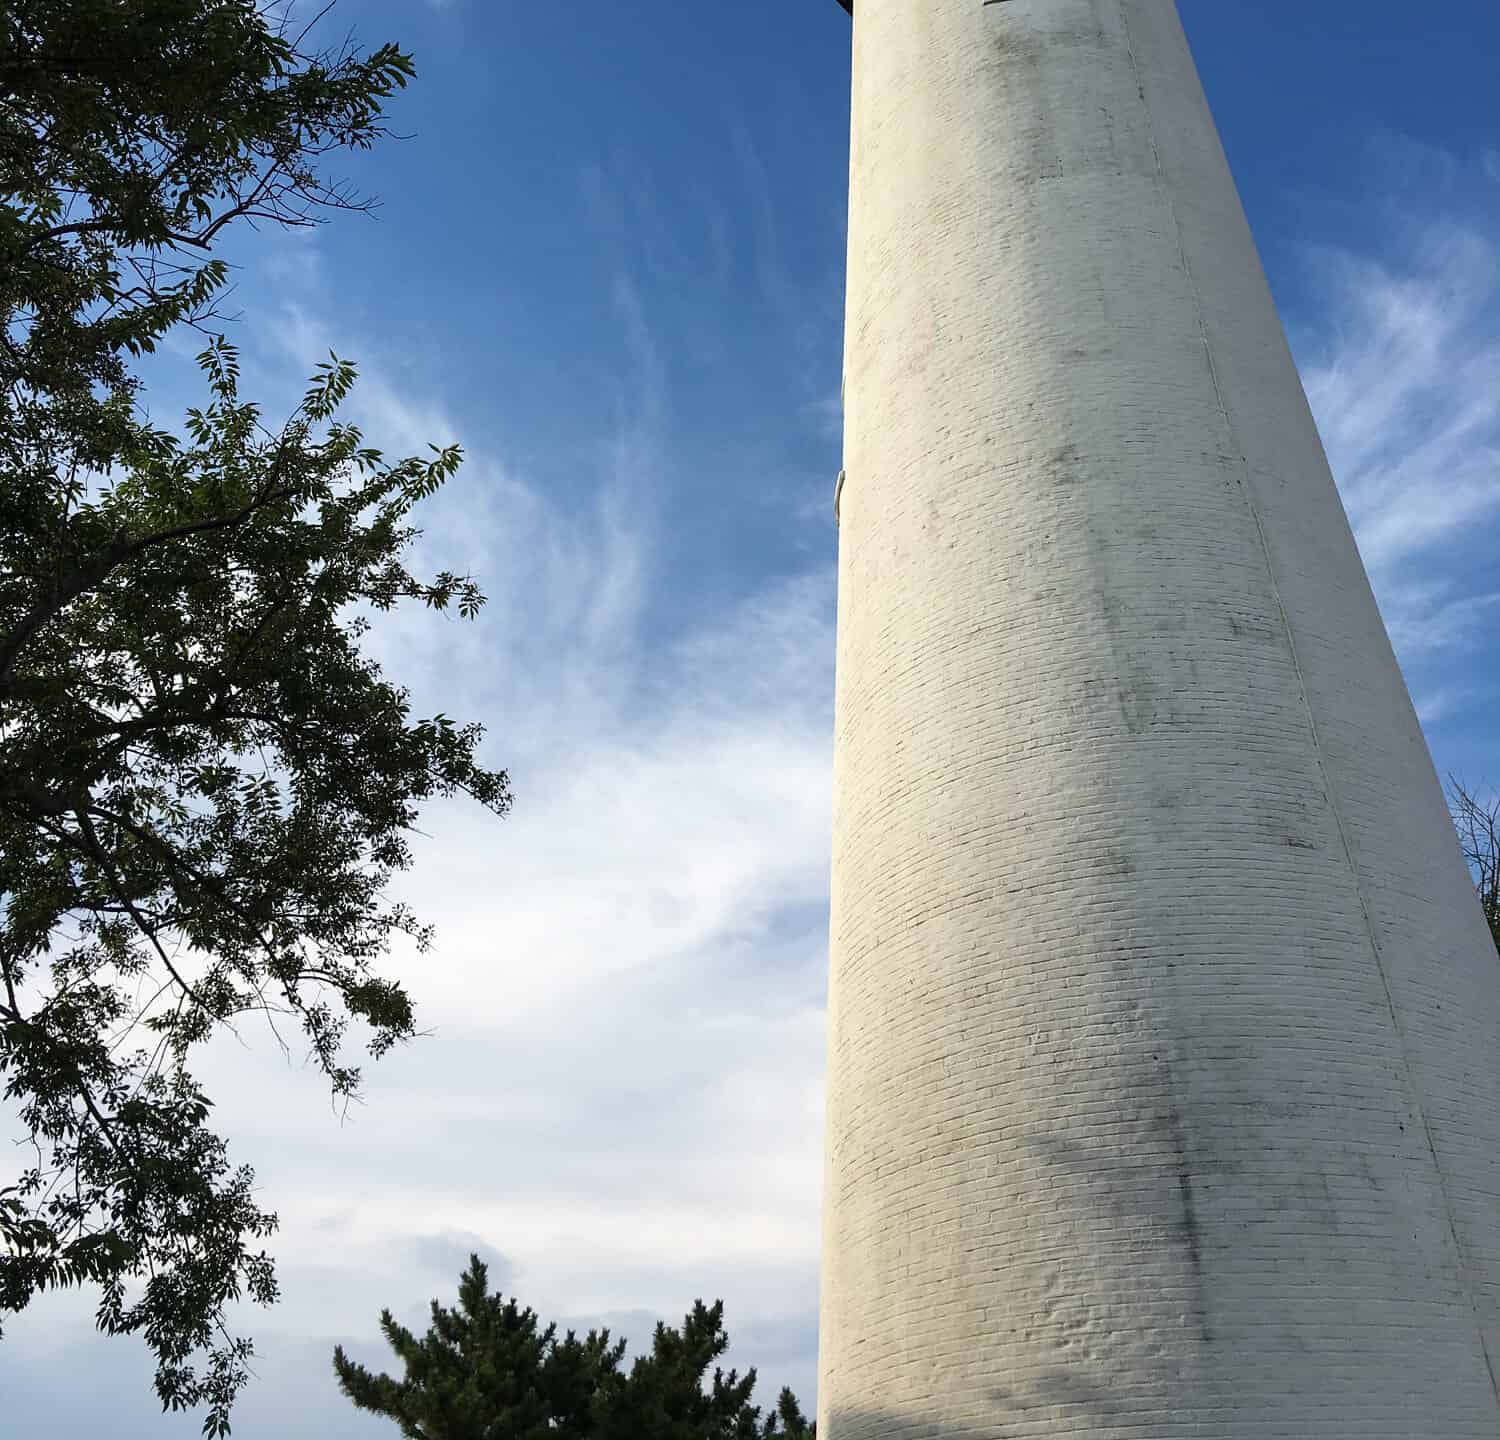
(761, 210)
(1434, 705)
(1406, 387)
(1402, 366)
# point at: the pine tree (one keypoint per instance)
(489, 1371)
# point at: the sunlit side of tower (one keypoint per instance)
(1164, 1055)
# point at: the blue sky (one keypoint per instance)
(610, 263)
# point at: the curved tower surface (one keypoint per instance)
(1164, 1068)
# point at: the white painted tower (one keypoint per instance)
(1164, 1059)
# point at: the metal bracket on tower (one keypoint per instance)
(838, 495)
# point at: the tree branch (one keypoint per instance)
(81, 579)
(103, 857)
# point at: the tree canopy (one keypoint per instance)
(489, 1370)
(205, 781)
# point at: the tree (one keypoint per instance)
(1478, 825)
(489, 1371)
(205, 784)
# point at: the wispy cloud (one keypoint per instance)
(1402, 365)
(622, 1094)
(761, 210)
(1407, 391)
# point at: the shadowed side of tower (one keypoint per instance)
(1164, 1068)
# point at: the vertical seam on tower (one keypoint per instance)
(1413, 1089)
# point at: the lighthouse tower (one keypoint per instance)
(1164, 1067)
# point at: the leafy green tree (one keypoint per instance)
(205, 784)
(489, 1370)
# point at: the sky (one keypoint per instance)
(609, 261)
